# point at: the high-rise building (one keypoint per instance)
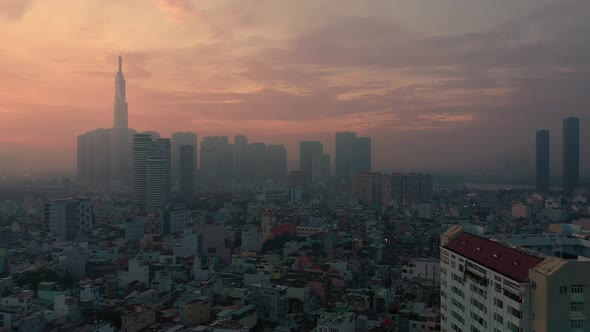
(187, 170)
(345, 155)
(69, 218)
(491, 284)
(392, 186)
(157, 184)
(257, 162)
(120, 114)
(276, 162)
(241, 158)
(174, 221)
(94, 156)
(366, 187)
(104, 155)
(120, 161)
(142, 148)
(325, 167)
(410, 188)
(542, 160)
(226, 161)
(179, 139)
(215, 155)
(310, 151)
(417, 188)
(363, 155)
(297, 179)
(151, 170)
(162, 148)
(571, 154)
(353, 155)
(316, 168)
(426, 188)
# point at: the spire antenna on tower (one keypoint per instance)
(120, 64)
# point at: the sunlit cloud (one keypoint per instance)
(446, 117)
(14, 9)
(177, 10)
(401, 71)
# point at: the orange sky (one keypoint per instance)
(276, 71)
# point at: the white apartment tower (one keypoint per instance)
(151, 180)
(142, 145)
(489, 285)
(69, 218)
(156, 184)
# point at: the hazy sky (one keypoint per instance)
(438, 84)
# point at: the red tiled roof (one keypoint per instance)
(387, 322)
(283, 229)
(507, 261)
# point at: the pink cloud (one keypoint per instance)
(14, 9)
(177, 10)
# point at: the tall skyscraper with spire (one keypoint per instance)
(120, 99)
(122, 136)
(104, 154)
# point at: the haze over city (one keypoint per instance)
(453, 85)
(294, 165)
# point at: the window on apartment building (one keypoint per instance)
(478, 305)
(512, 327)
(577, 324)
(458, 304)
(577, 289)
(458, 317)
(577, 306)
(498, 318)
(515, 312)
(512, 296)
(498, 303)
(497, 287)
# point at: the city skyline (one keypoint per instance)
(303, 165)
(409, 103)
